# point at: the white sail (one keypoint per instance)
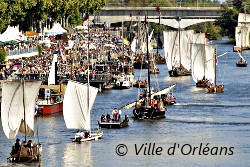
(199, 38)
(171, 48)
(75, 105)
(186, 38)
(177, 49)
(52, 72)
(210, 62)
(15, 98)
(242, 36)
(198, 61)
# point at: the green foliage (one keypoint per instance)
(31, 13)
(2, 55)
(228, 20)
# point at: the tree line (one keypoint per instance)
(32, 13)
(29, 14)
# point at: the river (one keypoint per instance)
(201, 129)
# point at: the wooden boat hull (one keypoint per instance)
(217, 89)
(202, 84)
(148, 113)
(48, 109)
(179, 72)
(113, 125)
(24, 156)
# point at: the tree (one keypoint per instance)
(2, 55)
(228, 20)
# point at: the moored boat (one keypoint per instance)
(50, 99)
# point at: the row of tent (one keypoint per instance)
(13, 36)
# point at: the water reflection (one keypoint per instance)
(77, 154)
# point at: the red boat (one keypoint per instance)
(50, 99)
(45, 108)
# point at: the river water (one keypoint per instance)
(200, 130)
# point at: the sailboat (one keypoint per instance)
(153, 68)
(200, 53)
(242, 62)
(151, 106)
(242, 37)
(17, 114)
(211, 65)
(177, 52)
(77, 104)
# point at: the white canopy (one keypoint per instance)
(55, 30)
(11, 33)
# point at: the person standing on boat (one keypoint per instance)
(115, 112)
(108, 117)
(119, 114)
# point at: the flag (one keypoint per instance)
(207, 36)
(157, 9)
(86, 17)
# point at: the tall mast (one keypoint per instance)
(215, 62)
(22, 83)
(179, 38)
(88, 72)
(149, 91)
(158, 10)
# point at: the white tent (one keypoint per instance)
(55, 30)
(11, 33)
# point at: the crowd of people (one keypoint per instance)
(72, 61)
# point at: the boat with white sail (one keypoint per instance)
(17, 115)
(77, 104)
(177, 52)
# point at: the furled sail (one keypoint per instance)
(52, 72)
(18, 97)
(75, 105)
(162, 91)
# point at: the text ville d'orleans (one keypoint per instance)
(184, 149)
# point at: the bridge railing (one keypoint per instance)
(176, 4)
